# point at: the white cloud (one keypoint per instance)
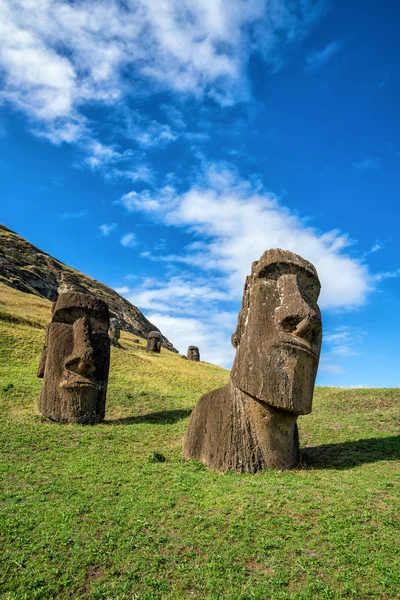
(129, 240)
(237, 220)
(98, 155)
(375, 248)
(148, 133)
(316, 60)
(106, 229)
(233, 221)
(57, 57)
(343, 341)
(386, 275)
(368, 164)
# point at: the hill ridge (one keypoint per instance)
(29, 269)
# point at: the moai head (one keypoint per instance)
(154, 342)
(114, 332)
(76, 360)
(193, 353)
(279, 332)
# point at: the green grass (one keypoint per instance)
(94, 512)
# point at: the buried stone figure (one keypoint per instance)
(75, 360)
(154, 342)
(250, 424)
(193, 353)
(114, 332)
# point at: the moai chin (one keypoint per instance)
(193, 353)
(154, 342)
(114, 332)
(75, 360)
(250, 424)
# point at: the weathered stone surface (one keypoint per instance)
(154, 342)
(250, 424)
(75, 360)
(114, 332)
(28, 269)
(193, 353)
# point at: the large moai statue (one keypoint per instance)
(193, 353)
(154, 342)
(75, 360)
(114, 332)
(250, 424)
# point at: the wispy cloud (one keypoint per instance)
(368, 164)
(57, 57)
(233, 221)
(239, 220)
(106, 229)
(338, 346)
(375, 248)
(387, 275)
(129, 240)
(316, 60)
(343, 340)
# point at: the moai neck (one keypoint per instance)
(268, 436)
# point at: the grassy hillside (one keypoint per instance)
(26, 268)
(88, 512)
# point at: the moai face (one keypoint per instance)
(154, 342)
(193, 353)
(76, 359)
(114, 331)
(279, 332)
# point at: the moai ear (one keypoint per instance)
(42, 363)
(236, 337)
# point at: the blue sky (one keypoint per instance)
(162, 146)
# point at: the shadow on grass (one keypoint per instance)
(164, 417)
(351, 454)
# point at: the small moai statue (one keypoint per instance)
(251, 423)
(154, 342)
(75, 360)
(193, 353)
(114, 332)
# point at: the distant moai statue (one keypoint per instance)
(193, 353)
(114, 332)
(250, 424)
(75, 360)
(154, 342)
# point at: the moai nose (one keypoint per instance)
(295, 315)
(308, 327)
(81, 361)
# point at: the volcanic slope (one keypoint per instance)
(25, 267)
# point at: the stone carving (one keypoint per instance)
(193, 353)
(154, 342)
(250, 424)
(75, 360)
(114, 332)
